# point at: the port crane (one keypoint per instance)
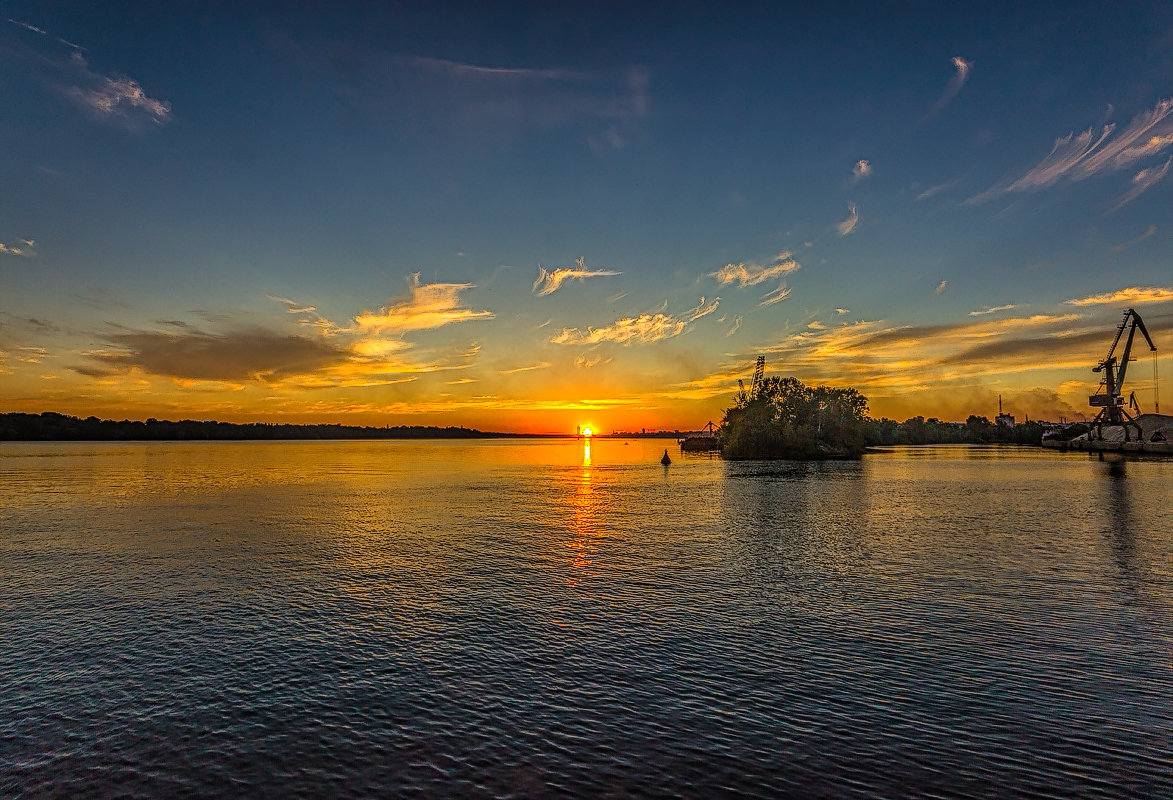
(1109, 397)
(759, 377)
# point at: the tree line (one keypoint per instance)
(51, 426)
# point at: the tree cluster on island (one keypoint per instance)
(785, 418)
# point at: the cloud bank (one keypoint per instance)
(1133, 295)
(245, 354)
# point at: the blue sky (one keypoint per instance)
(343, 213)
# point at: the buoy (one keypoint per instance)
(665, 460)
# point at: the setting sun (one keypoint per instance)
(587, 432)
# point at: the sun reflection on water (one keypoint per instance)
(585, 527)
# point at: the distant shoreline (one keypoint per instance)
(53, 427)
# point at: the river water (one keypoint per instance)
(544, 618)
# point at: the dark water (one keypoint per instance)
(450, 619)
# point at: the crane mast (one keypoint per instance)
(759, 375)
(1111, 401)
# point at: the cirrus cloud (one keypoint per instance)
(644, 328)
(548, 281)
(848, 225)
(1076, 157)
(962, 69)
(751, 274)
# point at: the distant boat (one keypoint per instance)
(665, 460)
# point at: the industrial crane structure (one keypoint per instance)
(759, 377)
(1109, 398)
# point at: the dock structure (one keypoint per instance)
(1145, 433)
(704, 441)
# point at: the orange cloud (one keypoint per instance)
(548, 281)
(752, 274)
(427, 306)
(1134, 295)
(648, 327)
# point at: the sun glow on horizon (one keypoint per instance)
(587, 432)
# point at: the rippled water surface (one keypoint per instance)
(532, 618)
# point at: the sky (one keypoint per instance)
(530, 217)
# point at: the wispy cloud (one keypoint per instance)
(1142, 181)
(1133, 295)
(842, 311)
(27, 249)
(612, 102)
(111, 97)
(116, 96)
(992, 310)
(776, 296)
(862, 169)
(941, 287)
(937, 189)
(548, 281)
(292, 306)
(960, 76)
(848, 225)
(1076, 157)
(1148, 232)
(751, 274)
(459, 69)
(42, 32)
(588, 362)
(28, 27)
(308, 315)
(736, 326)
(645, 328)
(525, 368)
(427, 306)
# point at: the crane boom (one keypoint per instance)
(1137, 323)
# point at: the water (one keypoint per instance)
(440, 619)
